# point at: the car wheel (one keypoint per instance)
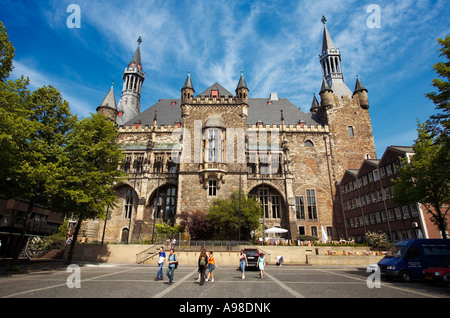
(405, 276)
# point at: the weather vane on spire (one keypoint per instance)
(139, 40)
(324, 20)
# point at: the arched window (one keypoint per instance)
(164, 203)
(128, 206)
(309, 143)
(271, 201)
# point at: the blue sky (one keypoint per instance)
(275, 43)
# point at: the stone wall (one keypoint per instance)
(292, 255)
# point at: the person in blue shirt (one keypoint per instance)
(171, 267)
(161, 259)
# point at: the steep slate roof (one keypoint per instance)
(258, 110)
(136, 58)
(109, 100)
(327, 43)
(269, 114)
(215, 86)
(188, 83)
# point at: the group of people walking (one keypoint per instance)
(173, 264)
(206, 265)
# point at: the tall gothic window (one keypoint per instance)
(164, 203)
(311, 201)
(300, 207)
(128, 204)
(171, 199)
(213, 146)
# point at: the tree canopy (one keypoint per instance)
(50, 157)
(426, 178)
(226, 216)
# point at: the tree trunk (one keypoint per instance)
(74, 240)
(441, 221)
(24, 231)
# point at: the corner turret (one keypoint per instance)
(108, 106)
(242, 90)
(326, 95)
(361, 93)
(187, 92)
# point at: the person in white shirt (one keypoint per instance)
(161, 259)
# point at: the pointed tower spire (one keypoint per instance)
(108, 107)
(361, 92)
(242, 90)
(330, 60)
(133, 78)
(325, 87)
(188, 82)
(314, 105)
(242, 83)
(187, 92)
(359, 87)
(327, 43)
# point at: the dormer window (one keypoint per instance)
(214, 93)
(120, 114)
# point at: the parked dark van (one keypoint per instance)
(407, 259)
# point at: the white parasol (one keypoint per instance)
(275, 230)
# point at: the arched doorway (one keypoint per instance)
(124, 235)
(163, 203)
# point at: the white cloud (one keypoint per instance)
(275, 43)
(69, 90)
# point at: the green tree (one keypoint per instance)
(6, 54)
(39, 150)
(33, 128)
(88, 171)
(426, 178)
(439, 124)
(224, 214)
(14, 126)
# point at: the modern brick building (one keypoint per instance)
(182, 153)
(12, 217)
(364, 194)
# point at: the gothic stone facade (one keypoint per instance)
(181, 154)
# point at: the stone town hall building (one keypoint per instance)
(182, 153)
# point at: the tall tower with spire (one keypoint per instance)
(133, 77)
(330, 60)
(345, 112)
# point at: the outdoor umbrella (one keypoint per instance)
(275, 230)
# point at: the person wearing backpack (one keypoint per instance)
(172, 259)
(202, 263)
